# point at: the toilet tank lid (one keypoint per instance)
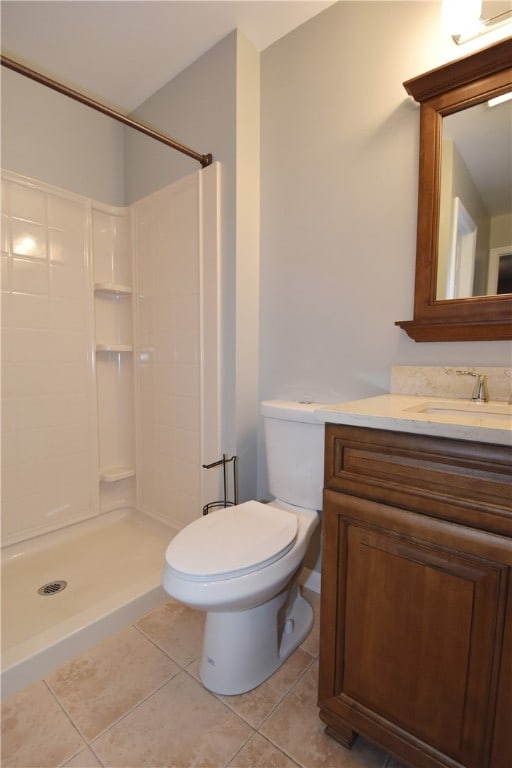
(291, 410)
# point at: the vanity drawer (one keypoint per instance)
(456, 480)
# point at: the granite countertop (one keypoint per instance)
(426, 415)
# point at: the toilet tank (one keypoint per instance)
(294, 441)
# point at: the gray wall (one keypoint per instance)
(49, 137)
(339, 174)
(214, 106)
(339, 199)
(197, 108)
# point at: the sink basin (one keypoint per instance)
(488, 413)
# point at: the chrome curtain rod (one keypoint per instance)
(21, 69)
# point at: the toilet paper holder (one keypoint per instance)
(225, 502)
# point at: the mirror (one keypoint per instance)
(475, 207)
(463, 285)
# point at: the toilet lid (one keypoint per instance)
(232, 542)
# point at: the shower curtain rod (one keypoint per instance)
(21, 69)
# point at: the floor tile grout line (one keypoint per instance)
(292, 687)
(386, 764)
(254, 728)
(243, 746)
(146, 698)
(87, 746)
(251, 737)
(134, 707)
(221, 701)
(220, 696)
(100, 761)
(283, 750)
(154, 642)
(90, 743)
(268, 737)
(69, 718)
(188, 672)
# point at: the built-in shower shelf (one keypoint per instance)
(115, 289)
(113, 474)
(114, 348)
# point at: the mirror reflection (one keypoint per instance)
(475, 217)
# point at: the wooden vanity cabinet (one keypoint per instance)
(416, 612)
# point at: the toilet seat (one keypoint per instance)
(232, 542)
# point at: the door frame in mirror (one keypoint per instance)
(442, 91)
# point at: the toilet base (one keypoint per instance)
(241, 649)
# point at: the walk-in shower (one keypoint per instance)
(110, 404)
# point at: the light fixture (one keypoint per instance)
(460, 16)
(462, 19)
(500, 99)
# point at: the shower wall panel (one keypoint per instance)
(166, 237)
(49, 450)
(176, 246)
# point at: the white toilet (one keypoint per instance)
(242, 564)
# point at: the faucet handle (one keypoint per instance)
(480, 392)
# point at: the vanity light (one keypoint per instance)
(500, 99)
(460, 17)
(462, 20)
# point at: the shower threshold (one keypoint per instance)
(112, 567)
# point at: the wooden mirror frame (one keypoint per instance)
(440, 92)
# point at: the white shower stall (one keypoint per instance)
(110, 402)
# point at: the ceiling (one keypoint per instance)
(122, 51)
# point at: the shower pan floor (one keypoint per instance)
(112, 565)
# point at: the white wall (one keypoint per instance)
(339, 178)
(49, 137)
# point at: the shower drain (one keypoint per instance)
(52, 587)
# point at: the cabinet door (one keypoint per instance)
(420, 612)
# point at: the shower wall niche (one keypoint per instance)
(113, 314)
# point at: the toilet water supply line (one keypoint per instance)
(225, 502)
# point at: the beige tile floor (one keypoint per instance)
(135, 700)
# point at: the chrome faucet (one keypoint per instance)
(480, 392)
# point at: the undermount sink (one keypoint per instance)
(491, 413)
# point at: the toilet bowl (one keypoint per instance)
(241, 565)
